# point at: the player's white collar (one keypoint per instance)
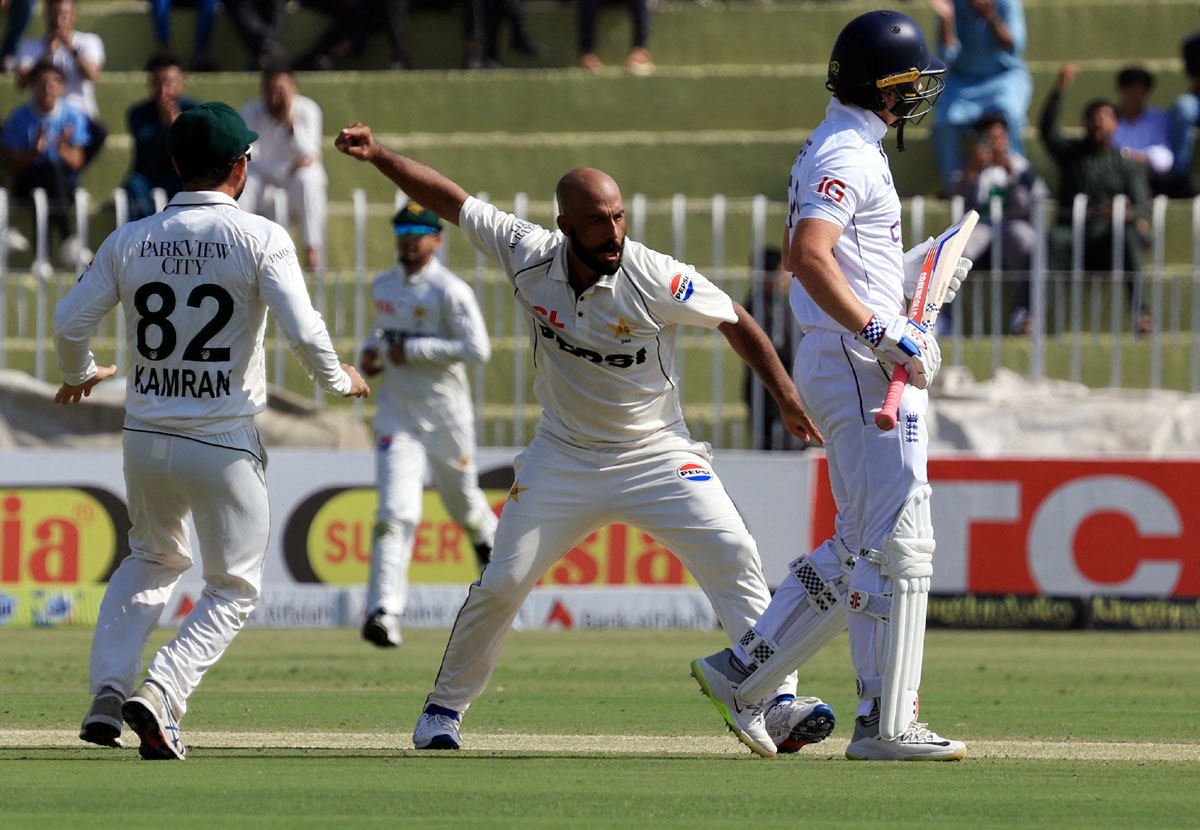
(867, 124)
(201, 197)
(421, 274)
(558, 267)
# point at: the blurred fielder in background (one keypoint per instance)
(427, 323)
(612, 445)
(843, 245)
(194, 282)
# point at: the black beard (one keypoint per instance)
(594, 263)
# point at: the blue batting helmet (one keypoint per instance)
(885, 50)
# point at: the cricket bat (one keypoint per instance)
(932, 284)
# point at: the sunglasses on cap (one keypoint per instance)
(413, 229)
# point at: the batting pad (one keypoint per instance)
(907, 562)
(818, 616)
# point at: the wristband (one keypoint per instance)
(873, 331)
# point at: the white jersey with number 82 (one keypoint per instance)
(194, 282)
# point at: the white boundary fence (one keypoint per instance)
(1083, 324)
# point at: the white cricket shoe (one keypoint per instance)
(382, 629)
(719, 679)
(796, 722)
(102, 724)
(149, 714)
(918, 743)
(437, 728)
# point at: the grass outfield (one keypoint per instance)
(604, 729)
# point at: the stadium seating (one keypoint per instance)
(738, 85)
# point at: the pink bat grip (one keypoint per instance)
(886, 419)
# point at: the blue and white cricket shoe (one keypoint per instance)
(437, 728)
(795, 722)
(149, 714)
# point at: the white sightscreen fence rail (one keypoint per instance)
(1073, 311)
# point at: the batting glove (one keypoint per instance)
(902, 341)
(913, 259)
(956, 280)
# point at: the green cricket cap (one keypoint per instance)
(415, 214)
(208, 136)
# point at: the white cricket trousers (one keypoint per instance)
(401, 458)
(224, 490)
(872, 473)
(307, 201)
(563, 494)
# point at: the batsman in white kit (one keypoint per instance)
(844, 247)
(611, 445)
(194, 283)
(427, 324)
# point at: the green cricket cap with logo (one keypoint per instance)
(416, 219)
(208, 136)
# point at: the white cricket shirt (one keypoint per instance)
(279, 146)
(194, 282)
(438, 316)
(605, 360)
(841, 175)
(79, 91)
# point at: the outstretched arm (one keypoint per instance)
(420, 181)
(754, 347)
(70, 393)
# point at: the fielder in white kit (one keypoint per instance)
(611, 445)
(843, 245)
(194, 283)
(427, 325)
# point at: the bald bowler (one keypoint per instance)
(611, 446)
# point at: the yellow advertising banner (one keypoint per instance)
(60, 536)
(328, 539)
(29, 606)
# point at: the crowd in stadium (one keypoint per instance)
(977, 134)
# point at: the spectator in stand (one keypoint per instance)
(149, 123)
(638, 61)
(352, 24)
(995, 169)
(1184, 117)
(1142, 133)
(482, 20)
(1093, 166)
(206, 10)
(80, 58)
(767, 302)
(19, 12)
(982, 43)
(287, 156)
(259, 23)
(44, 141)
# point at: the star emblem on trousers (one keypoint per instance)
(516, 490)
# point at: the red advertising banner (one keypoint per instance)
(1057, 527)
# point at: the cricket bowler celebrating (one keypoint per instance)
(427, 323)
(843, 245)
(194, 283)
(611, 445)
